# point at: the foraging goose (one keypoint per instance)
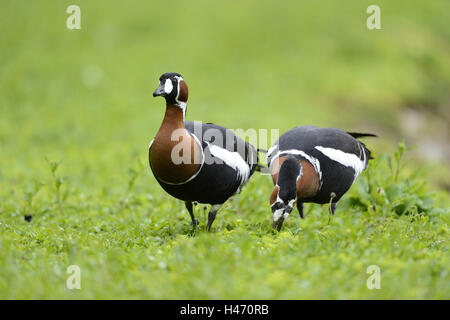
(193, 161)
(310, 164)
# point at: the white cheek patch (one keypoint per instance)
(168, 86)
(277, 214)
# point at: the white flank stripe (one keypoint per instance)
(232, 159)
(315, 163)
(364, 156)
(269, 152)
(346, 159)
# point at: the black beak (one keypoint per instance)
(278, 224)
(159, 91)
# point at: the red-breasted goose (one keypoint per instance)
(310, 164)
(193, 161)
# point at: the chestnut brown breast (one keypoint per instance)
(307, 186)
(163, 166)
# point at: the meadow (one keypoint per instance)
(77, 115)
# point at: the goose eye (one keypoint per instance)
(168, 86)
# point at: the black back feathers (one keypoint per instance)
(360, 135)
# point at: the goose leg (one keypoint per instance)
(190, 208)
(300, 208)
(332, 208)
(212, 215)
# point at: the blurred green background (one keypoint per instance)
(85, 96)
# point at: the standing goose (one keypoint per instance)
(193, 161)
(310, 164)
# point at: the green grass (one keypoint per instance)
(140, 244)
(76, 117)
